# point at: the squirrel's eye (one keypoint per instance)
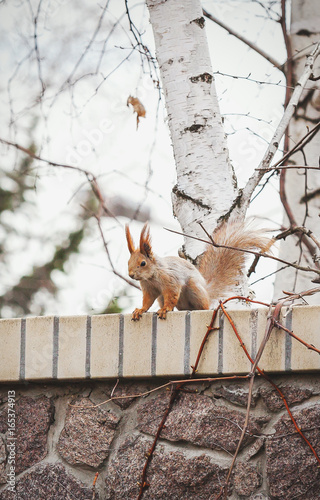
(143, 263)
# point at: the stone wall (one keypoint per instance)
(59, 441)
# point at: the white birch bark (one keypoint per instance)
(305, 29)
(206, 186)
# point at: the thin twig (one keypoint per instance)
(94, 486)
(298, 146)
(308, 346)
(49, 162)
(130, 282)
(163, 386)
(288, 167)
(252, 252)
(143, 483)
(299, 229)
(114, 388)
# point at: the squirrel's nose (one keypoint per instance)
(131, 275)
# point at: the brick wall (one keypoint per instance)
(55, 435)
(62, 441)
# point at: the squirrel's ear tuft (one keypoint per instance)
(129, 239)
(145, 241)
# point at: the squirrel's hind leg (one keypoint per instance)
(194, 297)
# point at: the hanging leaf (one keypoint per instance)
(138, 107)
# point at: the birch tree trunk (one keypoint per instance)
(305, 30)
(206, 185)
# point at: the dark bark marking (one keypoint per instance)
(204, 77)
(181, 194)
(196, 127)
(200, 21)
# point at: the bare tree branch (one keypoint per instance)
(253, 46)
(245, 196)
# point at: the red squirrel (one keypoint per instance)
(175, 282)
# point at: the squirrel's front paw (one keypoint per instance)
(137, 314)
(162, 313)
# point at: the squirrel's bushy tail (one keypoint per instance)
(222, 267)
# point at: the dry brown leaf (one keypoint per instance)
(138, 107)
